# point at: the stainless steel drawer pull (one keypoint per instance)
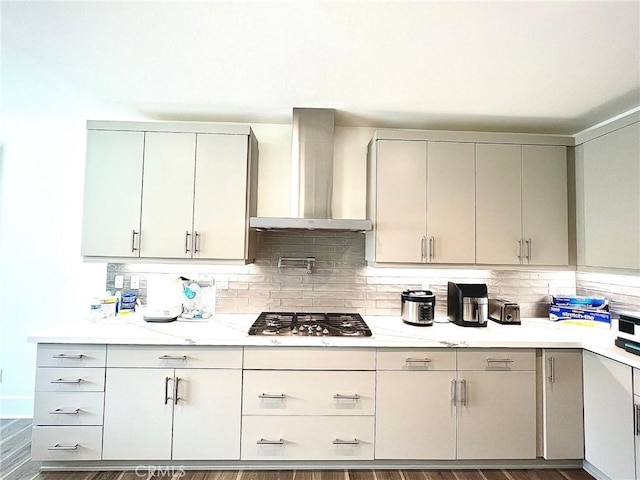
(423, 249)
(63, 380)
(637, 419)
(341, 396)
(64, 411)
(432, 250)
(172, 357)
(279, 396)
(418, 360)
(196, 242)
(552, 370)
(68, 356)
(59, 447)
(504, 361)
(166, 390)
(338, 441)
(264, 441)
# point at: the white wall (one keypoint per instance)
(42, 280)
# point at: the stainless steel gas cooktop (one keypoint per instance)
(310, 325)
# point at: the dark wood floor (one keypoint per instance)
(16, 464)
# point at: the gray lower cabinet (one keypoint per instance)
(609, 426)
(442, 404)
(69, 398)
(172, 403)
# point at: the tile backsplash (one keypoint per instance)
(623, 291)
(341, 281)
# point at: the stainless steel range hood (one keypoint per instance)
(312, 169)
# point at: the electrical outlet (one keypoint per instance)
(425, 284)
(552, 288)
(135, 282)
(119, 281)
(0, 375)
(222, 283)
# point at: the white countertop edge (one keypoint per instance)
(388, 332)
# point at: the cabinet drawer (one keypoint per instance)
(66, 443)
(174, 357)
(298, 358)
(69, 379)
(68, 408)
(293, 392)
(496, 359)
(307, 438)
(416, 359)
(70, 355)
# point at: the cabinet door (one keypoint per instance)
(544, 205)
(138, 414)
(206, 418)
(112, 193)
(612, 199)
(608, 416)
(562, 421)
(415, 415)
(220, 203)
(401, 197)
(451, 202)
(167, 195)
(498, 204)
(487, 396)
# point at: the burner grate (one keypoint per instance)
(310, 324)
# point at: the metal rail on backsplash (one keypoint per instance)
(297, 262)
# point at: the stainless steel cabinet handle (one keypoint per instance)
(339, 441)
(172, 357)
(423, 249)
(280, 396)
(196, 242)
(186, 241)
(432, 247)
(637, 419)
(264, 441)
(463, 392)
(504, 363)
(528, 244)
(68, 356)
(64, 411)
(63, 380)
(166, 390)
(418, 362)
(57, 446)
(454, 393)
(552, 370)
(340, 396)
(133, 241)
(520, 248)
(175, 391)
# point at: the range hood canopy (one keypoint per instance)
(312, 172)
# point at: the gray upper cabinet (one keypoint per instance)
(451, 198)
(608, 191)
(172, 191)
(113, 193)
(521, 205)
(421, 202)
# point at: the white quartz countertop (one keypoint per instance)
(388, 331)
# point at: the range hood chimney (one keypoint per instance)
(312, 172)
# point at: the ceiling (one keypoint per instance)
(549, 67)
